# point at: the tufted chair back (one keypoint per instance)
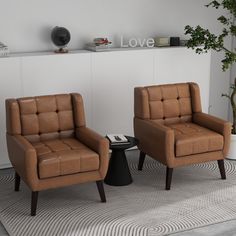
(45, 117)
(167, 104)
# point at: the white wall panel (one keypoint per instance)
(67, 73)
(114, 77)
(178, 65)
(10, 87)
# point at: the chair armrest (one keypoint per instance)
(216, 124)
(97, 143)
(23, 158)
(156, 140)
(211, 122)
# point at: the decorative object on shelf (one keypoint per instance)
(174, 41)
(162, 41)
(60, 37)
(99, 45)
(4, 50)
(202, 40)
(117, 139)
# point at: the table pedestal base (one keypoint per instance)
(118, 173)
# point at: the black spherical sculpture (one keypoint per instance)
(60, 37)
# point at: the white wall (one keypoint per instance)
(26, 24)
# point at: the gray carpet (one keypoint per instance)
(198, 197)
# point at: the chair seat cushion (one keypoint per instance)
(192, 139)
(64, 156)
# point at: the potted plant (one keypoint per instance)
(202, 40)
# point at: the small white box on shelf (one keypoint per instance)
(162, 41)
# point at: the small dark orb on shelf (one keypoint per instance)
(60, 37)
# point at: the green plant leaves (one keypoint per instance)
(207, 40)
(229, 5)
(203, 37)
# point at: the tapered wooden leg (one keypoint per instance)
(34, 200)
(169, 172)
(17, 182)
(101, 190)
(222, 169)
(142, 156)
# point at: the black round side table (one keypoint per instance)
(118, 173)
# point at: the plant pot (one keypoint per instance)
(232, 149)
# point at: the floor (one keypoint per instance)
(225, 228)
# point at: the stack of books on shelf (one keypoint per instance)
(117, 139)
(4, 50)
(99, 45)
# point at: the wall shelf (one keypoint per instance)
(48, 53)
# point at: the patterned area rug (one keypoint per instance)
(198, 198)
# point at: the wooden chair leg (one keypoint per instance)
(17, 182)
(222, 169)
(34, 200)
(142, 156)
(101, 190)
(169, 172)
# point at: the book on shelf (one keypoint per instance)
(4, 50)
(97, 48)
(117, 139)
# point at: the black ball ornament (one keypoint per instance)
(60, 37)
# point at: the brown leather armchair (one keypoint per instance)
(172, 129)
(50, 146)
